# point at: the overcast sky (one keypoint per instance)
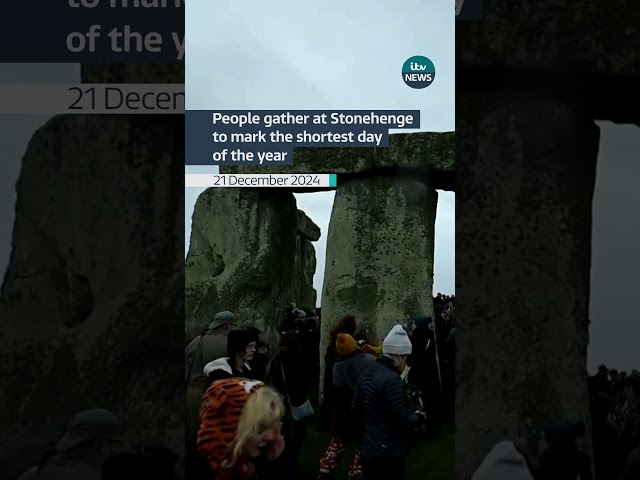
(615, 301)
(330, 55)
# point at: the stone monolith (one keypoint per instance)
(379, 264)
(523, 327)
(241, 257)
(92, 297)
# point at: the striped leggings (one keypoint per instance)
(333, 455)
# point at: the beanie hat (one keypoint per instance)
(96, 424)
(345, 344)
(397, 342)
(220, 413)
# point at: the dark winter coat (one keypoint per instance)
(380, 411)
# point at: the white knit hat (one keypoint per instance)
(397, 342)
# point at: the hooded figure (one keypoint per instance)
(240, 427)
(82, 449)
(503, 462)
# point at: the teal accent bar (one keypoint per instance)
(333, 180)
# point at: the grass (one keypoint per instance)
(432, 457)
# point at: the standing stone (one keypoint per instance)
(307, 228)
(241, 257)
(302, 291)
(309, 263)
(93, 293)
(525, 227)
(379, 264)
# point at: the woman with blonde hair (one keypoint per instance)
(380, 411)
(240, 427)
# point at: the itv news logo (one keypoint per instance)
(418, 72)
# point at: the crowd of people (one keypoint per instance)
(90, 449)
(249, 409)
(554, 452)
(615, 418)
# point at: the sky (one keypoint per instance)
(614, 299)
(330, 55)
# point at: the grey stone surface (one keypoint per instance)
(523, 326)
(414, 150)
(599, 37)
(379, 262)
(241, 257)
(91, 305)
(303, 294)
(307, 228)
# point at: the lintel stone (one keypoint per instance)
(428, 150)
(590, 33)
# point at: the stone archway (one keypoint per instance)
(379, 263)
(526, 173)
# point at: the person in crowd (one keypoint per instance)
(606, 448)
(503, 462)
(260, 362)
(201, 351)
(615, 410)
(351, 362)
(348, 325)
(634, 379)
(562, 459)
(448, 367)
(209, 346)
(379, 410)
(424, 374)
(89, 439)
(289, 374)
(294, 320)
(240, 429)
(241, 347)
(310, 342)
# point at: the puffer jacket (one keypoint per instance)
(379, 410)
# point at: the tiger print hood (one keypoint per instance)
(223, 364)
(220, 414)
